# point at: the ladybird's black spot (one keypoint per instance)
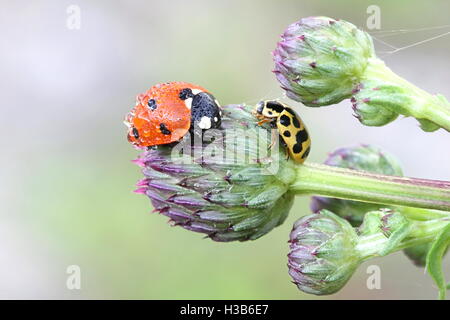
(296, 123)
(301, 136)
(292, 112)
(135, 133)
(152, 104)
(297, 148)
(275, 106)
(285, 120)
(306, 153)
(186, 93)
(295, 118)
(287, 133)
(164, 129)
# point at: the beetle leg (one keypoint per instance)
(261, 122)
(285, 148)
(273, 139)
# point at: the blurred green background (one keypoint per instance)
(66, 177)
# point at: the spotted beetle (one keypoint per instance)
(167, 111)
(289, 125)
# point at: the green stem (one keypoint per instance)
(372, 245)
(423, 214)
(420, 104)
(349, 184)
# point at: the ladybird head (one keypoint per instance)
(260, 107)
(269, 108)
(205, 111)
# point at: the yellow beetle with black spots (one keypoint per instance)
(290, 127)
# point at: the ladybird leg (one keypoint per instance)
(261, 122)
(285, 147)
(287, 154)
(273, 139)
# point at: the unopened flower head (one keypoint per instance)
(322, 255)
(319, 60)
(226, 187)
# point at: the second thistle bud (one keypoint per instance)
(322, 255)
(319, 60)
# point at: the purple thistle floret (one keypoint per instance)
(322, 253)
(319, 60)
(225, 200)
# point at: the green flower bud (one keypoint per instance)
(320, 60)
(322, 255)
(225, 186)
(363, 158)
(325, 249)
(393, 225)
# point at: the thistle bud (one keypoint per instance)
(322, 255)
(363, 158)
(325, 249)
(320, 60)
(393, 226)
(224, 186)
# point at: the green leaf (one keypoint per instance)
(434, 260)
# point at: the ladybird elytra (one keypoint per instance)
(290, 127)
(167, 111)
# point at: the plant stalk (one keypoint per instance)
(433, 108)
(334, 182)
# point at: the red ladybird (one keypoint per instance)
(166, 112)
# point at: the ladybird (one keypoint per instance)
(289, 125)
(167, 111)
